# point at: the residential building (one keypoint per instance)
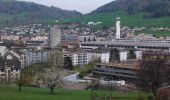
(69, 38)
(86, 38)
(3, 50)
(54, 36)
(38, 55)
(10, 66)
(101, 54)
(77, 57)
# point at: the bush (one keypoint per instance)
(163, 94)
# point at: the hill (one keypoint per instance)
(136, 20)
(154, 8)
(109, 19)
(12, 12)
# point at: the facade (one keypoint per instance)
(118, 28)
(40, 38)
(99, 54)
(3, 50)
(118, 71)
(54, 36)
(87, 38)
(38, 55)
(69, 38)
(10, 37)
(124, 55)
(10, 66)
(78, 58)
(141, 45)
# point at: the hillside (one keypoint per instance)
(12, 12)
(154, 8)
(137, 20)
(109, 19)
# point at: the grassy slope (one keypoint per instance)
(11, 93)
(126, 20)
(108, 19)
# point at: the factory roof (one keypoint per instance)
(121, 43)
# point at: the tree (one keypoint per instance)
(114, 55)
(20, 80)
(153, 71)
(84, 39)
(55, 60)
(89, 39)
(52, 76)
(94, 39)
(68, 63)
(20, 43)
(51, 79)
(24, 78)
(131, 55)
(95, 83)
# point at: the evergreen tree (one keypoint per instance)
(114, 55)
(131, 55)
(68, 63)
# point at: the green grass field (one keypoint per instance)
(126, 20)
(28, 93)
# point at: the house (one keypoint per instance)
(10, 65)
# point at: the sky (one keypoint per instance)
(84, 6)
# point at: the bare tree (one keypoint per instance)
(55, 60)
(24, 78)
(20, 80)
(154, 71)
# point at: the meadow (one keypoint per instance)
(9, 92)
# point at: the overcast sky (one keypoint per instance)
(83, 6)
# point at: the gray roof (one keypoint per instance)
(145, 44)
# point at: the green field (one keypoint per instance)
(126, 20)
(28, 93)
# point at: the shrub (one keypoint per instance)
(163, 94)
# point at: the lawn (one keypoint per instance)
(28, 93)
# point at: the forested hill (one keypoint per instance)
(34, 10)
(14, 11)
(153, 8)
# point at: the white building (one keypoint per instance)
(40, 38)
(3, 50)
(86, 38)
(55, 36)
(123, 55)
(138, 54)
(118, 28)
(101, 54)
(84, 57)
(38, 55)
(78, 57)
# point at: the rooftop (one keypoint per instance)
(121, 43)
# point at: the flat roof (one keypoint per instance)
(133, 65)
(121, 43)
